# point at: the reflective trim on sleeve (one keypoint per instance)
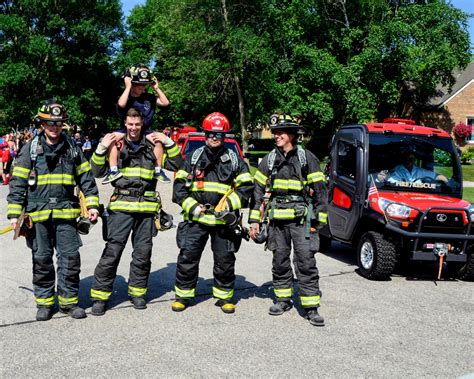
(82, 168)
(98, 159)
(259, 177)
(45, 302)
(243, 178)
(185, 294)
(65, 301)
(234, 200)
(92, 201)
(323, 217)
(173, 151)
(222, 294)
(47, 179)
(181, 174)
(14, 209)
(21, 172)
(254, 215)
(100, 295)
(136, 291)
(283, 292)
(187, 204)
(315, 177)
(310, 301)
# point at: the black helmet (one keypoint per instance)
(262, 236)
(140, 74)
(51, 110)
(164, 221)
(284, 122)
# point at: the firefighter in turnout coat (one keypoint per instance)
(290, 194)
(133, 207)
(208, 175)
(43, 185)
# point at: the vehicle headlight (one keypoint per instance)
(471, 212)
(395, 209)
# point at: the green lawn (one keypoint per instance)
(468, 172)
(468, 194)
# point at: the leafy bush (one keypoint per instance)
(467, 154)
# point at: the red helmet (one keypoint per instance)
(216, 122)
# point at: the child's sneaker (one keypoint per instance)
(112, 176)
(161, 177)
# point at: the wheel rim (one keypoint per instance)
(367, 255)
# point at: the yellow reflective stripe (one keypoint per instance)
(82, 168)
(137, 172)
(173, 151)
(283, 292)
(134, 206)
(283, 214)
(323, 217)
(14, 208)
(40, 215)
(47, 179)
(67, 300)
(219, 188)
(21, 172)
(315, 177)
(310, 301)
(242, 178)
(181, 174)
(188, 203)
(149, 194)
(136, 291)
(288, 184)
(101, 295)
(234, 200)
(66, 213)
(92, 201)
(259, 177)
(184, 293)
(205, 219)
(98, 159)
(46, 302)
(254, 215)
(222, 294)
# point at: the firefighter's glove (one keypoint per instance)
(199, 210)
(101, 149)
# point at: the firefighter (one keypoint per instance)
(211, 176)
(133, 207)
(290, 193)
(43, 182)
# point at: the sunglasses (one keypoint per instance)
(217, 135)
(54, 123)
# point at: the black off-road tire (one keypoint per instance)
(383, 260)
(463, 271)
(324, 244)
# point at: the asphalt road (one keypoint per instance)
(410, 326)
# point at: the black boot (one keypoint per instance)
(98, 307)
(74, 311)
(314, 317)
(44, 313)
(280, 307)
(138, 302)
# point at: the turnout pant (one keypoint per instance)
(42, 239)
(281, 235)
(191, 238)
(119, 226)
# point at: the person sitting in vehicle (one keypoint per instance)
(379, 177)
(408, 171)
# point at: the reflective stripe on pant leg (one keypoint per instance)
(185, 294)
(41, 245)
(193, 239)
(222, 294)
(67, 246)
(142, 235)
(305, 261)
(136, 292)
(119, 225)
(100, 295)
(283, 292)
(310, 301)
(45, 302)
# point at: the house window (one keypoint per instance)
(470, 121)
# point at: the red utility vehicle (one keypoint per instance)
(378, 204)
(179, 133)
(198, 139)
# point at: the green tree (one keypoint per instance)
(58, 49)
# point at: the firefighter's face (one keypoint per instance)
(52, 130)
(214, 140)
(283, 138)
(134, 127)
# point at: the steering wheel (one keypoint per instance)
(427, 179)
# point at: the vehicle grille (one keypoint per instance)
(441, 222)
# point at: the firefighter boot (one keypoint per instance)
(74, 311)
(280, 307)
(138, 302)
(98, 308)
(314, 317)
(179, 305)
(44, 313)
(226, 306)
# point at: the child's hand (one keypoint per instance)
(128, 82)
(108, 140)
(157, 137)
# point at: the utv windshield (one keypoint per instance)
(413, 163)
